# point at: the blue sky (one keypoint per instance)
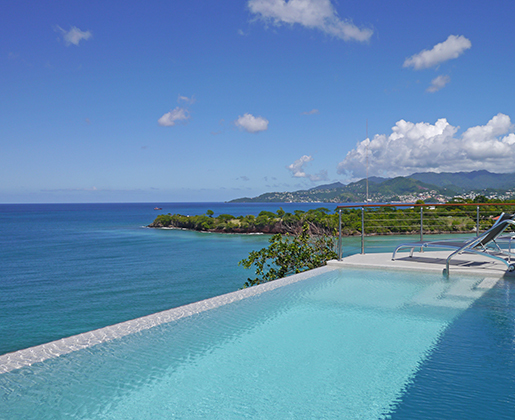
(105, 101)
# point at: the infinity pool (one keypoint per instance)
(343, 344)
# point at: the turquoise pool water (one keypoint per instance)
(341, 345)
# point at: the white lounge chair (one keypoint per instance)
(485, 244)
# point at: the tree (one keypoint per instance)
(289, 255)
(210, 213)
(480, 199)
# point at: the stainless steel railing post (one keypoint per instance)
(421, 224)
(421, 227)
(362, 230)
(339, 234)
(477, 220)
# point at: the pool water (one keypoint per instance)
(344, 344)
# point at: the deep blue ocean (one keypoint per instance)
(71, 268)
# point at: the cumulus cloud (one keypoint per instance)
(438, 83)
(251, 124)
(451, 48)
(415, 147)
(313, 14)
(297, 167)
(298, 171)
(74, 35)
(312, 112)
(173, 117)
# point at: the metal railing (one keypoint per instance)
(401, 218)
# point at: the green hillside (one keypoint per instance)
(468, 181)
(428, 186)
(387, 190)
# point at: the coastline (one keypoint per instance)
(345, 235)
(205, 231)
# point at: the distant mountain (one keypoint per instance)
(426, 185)
(333, 186)
(379, 189)
(339, 185)
(468, 181)
(389, 189)
(377, 179)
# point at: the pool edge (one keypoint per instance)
(36, 354)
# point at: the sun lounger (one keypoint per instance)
(486, 244)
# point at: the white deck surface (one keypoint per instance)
(428, 261)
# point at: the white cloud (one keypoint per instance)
(171, 118)
(251, 124)
(187, 100)
(298, 171)
(319, 14)
(297, 167)
(425, 147)
(438, 83)
(178, 114)
(74, 35)
(451, 48)
(312, 112)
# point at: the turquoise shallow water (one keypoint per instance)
(71, 268)
(346, 344)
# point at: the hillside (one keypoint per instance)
(428, 186)
(387, 190)
(468, 181)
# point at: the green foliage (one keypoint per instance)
(225, 217)
(480, 199)
(320, 221)
(267, 214)
(289, 255)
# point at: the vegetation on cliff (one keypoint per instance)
(320, 221)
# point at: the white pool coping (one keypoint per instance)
(40, 353)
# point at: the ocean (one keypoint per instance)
(71, 268)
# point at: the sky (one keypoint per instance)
(170, 101)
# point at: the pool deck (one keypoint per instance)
(428, 261)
